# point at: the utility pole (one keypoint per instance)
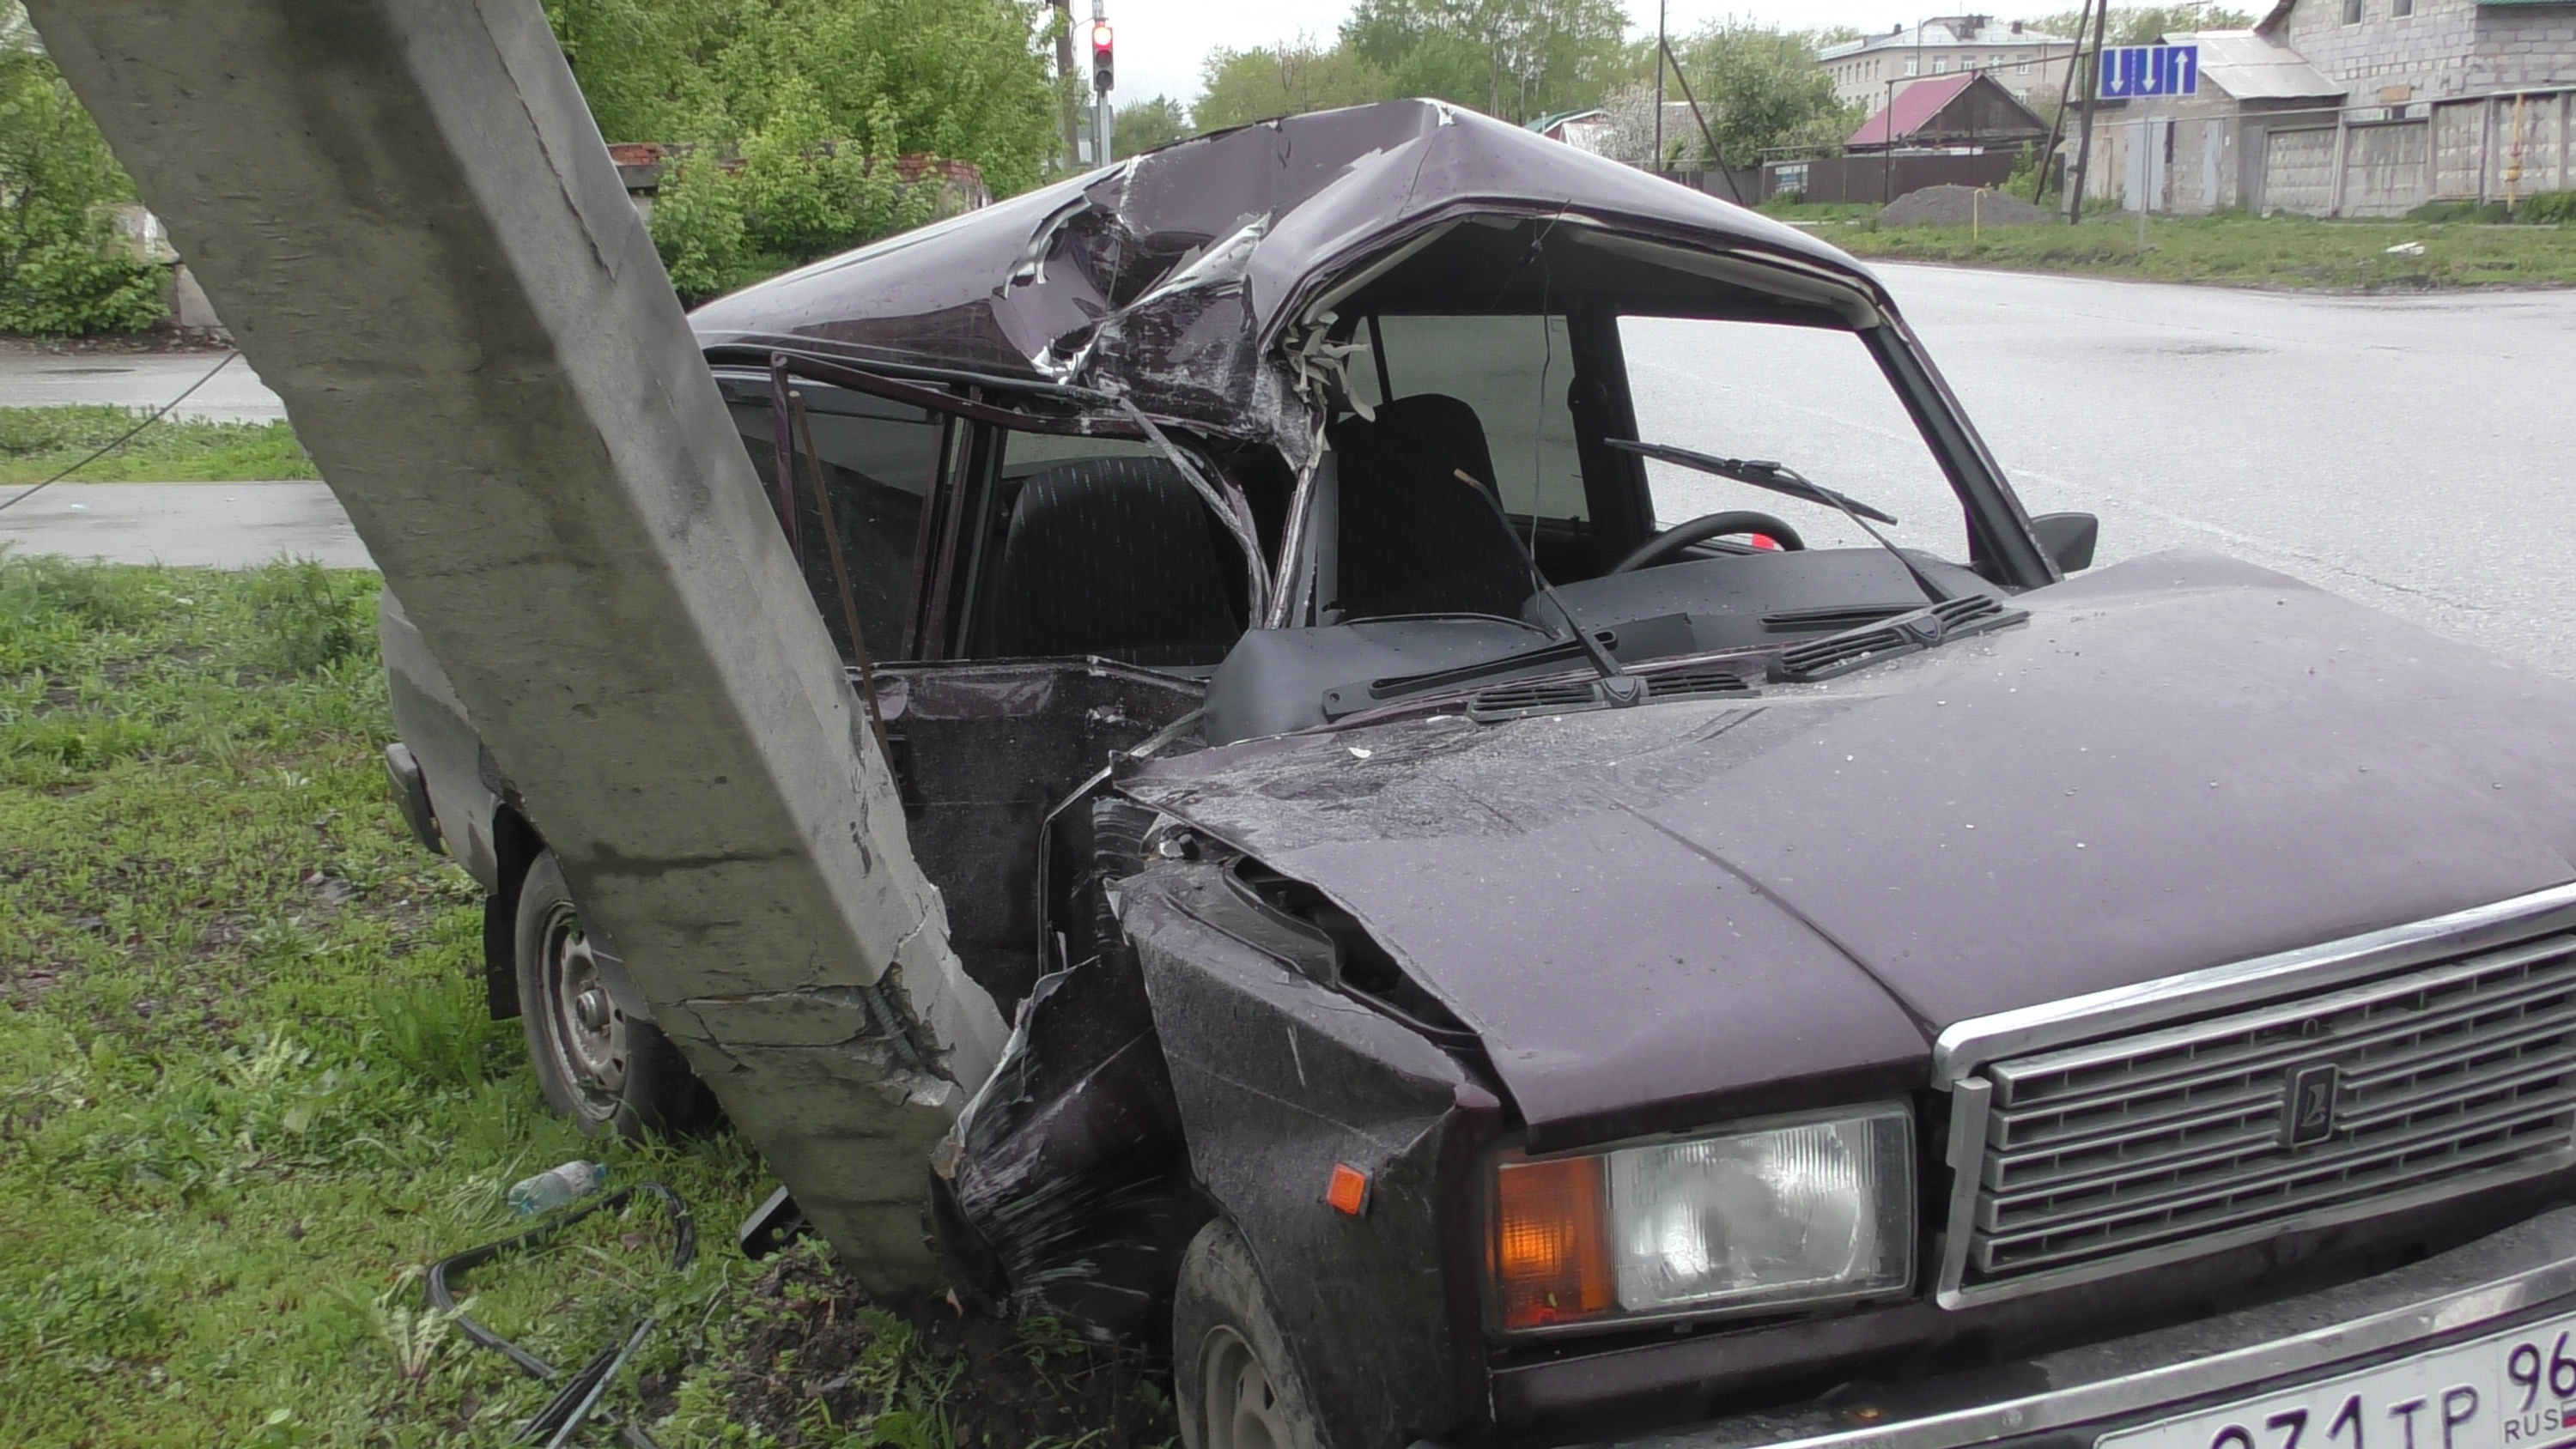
(1103, 78)
(1065, 82)
(2065, 93)
(1659, 87)
(2092, 85)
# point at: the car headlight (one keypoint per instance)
(1781, 1212)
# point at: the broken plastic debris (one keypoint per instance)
(1358, 753)
(2407, 249)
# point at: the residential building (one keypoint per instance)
(2029, 65)
(2356, 108)
(1964, 113)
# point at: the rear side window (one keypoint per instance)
(878, 462)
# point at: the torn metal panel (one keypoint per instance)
(983, 752)
(1064, 1188)
(1278, 1079)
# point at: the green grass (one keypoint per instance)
(2237, 250)
(36, 443)
(248, 1088)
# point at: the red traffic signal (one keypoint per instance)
(1102, 60)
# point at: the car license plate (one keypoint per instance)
(2515, 1390)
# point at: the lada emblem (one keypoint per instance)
(2308, 1108)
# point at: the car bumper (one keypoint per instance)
(2070, 1398)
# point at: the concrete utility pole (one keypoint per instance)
(1066, 81)
(2092, 88)
(412, 227)
(1660, 52)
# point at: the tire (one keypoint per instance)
(1237, 1384)
(600, 1066)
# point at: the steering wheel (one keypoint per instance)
(1661, 548)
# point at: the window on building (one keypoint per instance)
(2400, 9)
(2352, 12)
(2021, 65)
(1941, 65)
(1910, 64)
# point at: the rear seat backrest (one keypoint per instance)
(1115, 557)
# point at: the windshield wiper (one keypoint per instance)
(1781, 478)
(1618, 687)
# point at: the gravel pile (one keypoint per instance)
(1949, 206)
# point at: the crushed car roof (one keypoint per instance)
(1166, 276)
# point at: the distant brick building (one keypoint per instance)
(1869, 71)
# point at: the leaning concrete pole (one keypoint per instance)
(406, 216)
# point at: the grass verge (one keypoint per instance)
(248, 1089)
(37, 443)
(2237, 250)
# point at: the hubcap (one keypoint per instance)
(589, 1030)
(1243, 1409)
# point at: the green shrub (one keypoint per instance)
(2486, 213)
(60, 272)
(795, 194)
(2548, 206)
(307, 617)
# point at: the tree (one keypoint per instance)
(1761, 88)
(1144, 125)
(1516, 59)
(2148, 24)
(801, 111)
(1289, 79)
(966, 80)
(61, 270)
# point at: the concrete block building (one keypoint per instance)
(2356, 108)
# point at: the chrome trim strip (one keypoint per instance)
(1965, 1045)
(2522, 1268)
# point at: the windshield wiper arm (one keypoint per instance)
(1781, 478)
(1617, 685)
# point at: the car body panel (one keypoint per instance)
(1168, 275)
(2177, 763)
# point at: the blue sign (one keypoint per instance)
(2134, 71)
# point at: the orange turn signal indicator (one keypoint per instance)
(1347, 1193)
(1551, 1246)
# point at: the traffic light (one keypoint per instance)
(1101, 58)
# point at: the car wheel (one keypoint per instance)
(1237, 1385)
(597, 1064)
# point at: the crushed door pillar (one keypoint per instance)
(406, 216)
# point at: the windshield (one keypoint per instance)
(1804, 396)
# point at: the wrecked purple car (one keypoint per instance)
(1571, 867)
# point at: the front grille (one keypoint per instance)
(2182, 1139)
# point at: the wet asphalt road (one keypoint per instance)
(31, 378)
(2417, 454)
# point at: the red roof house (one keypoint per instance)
(1969, 109)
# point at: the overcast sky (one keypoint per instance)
(1162, 42)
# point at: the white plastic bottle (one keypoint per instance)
(556, 1186)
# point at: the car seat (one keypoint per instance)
(1115, 557)
(1414, 538)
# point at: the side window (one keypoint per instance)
(1808, 397)
(1514, 371)
(1098, 546)
(878, 462)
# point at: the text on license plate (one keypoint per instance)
(2514, 1390)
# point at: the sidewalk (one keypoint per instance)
(34, 378)
(199, 525)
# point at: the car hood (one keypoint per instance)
(1687, 912)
